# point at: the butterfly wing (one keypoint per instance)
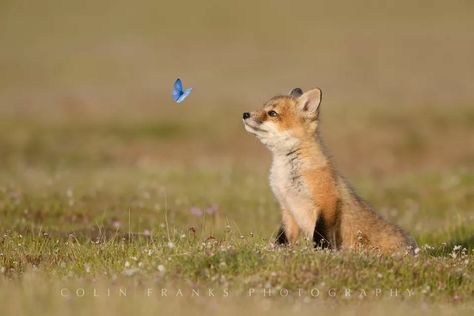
(177, 89)
(183, 95)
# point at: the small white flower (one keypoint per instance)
(171, 244)
(161, 268)
(417, 250)
(127, 264)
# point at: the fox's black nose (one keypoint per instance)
(246, 115)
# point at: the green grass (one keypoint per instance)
(106, 225)
(133, 226)
(102, 175)
(237, 262)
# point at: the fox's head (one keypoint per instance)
(285, 121)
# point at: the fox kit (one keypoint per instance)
(315, 201)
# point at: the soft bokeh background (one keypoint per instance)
(91, 141)
(397, 79)
(86, 87)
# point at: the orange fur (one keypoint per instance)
(311, 194)
(291, 227)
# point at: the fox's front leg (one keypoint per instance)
(317, 228)
(289, 230)
(322, 236)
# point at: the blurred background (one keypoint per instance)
(88, 129)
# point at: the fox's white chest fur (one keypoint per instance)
(291, 192)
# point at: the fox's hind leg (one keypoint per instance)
(289, 230)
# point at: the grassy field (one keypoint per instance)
(111, 194)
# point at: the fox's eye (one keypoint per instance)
(272, 113)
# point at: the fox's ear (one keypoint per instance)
(309, 102)
(296, 92)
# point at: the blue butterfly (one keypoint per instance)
(178, 93)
